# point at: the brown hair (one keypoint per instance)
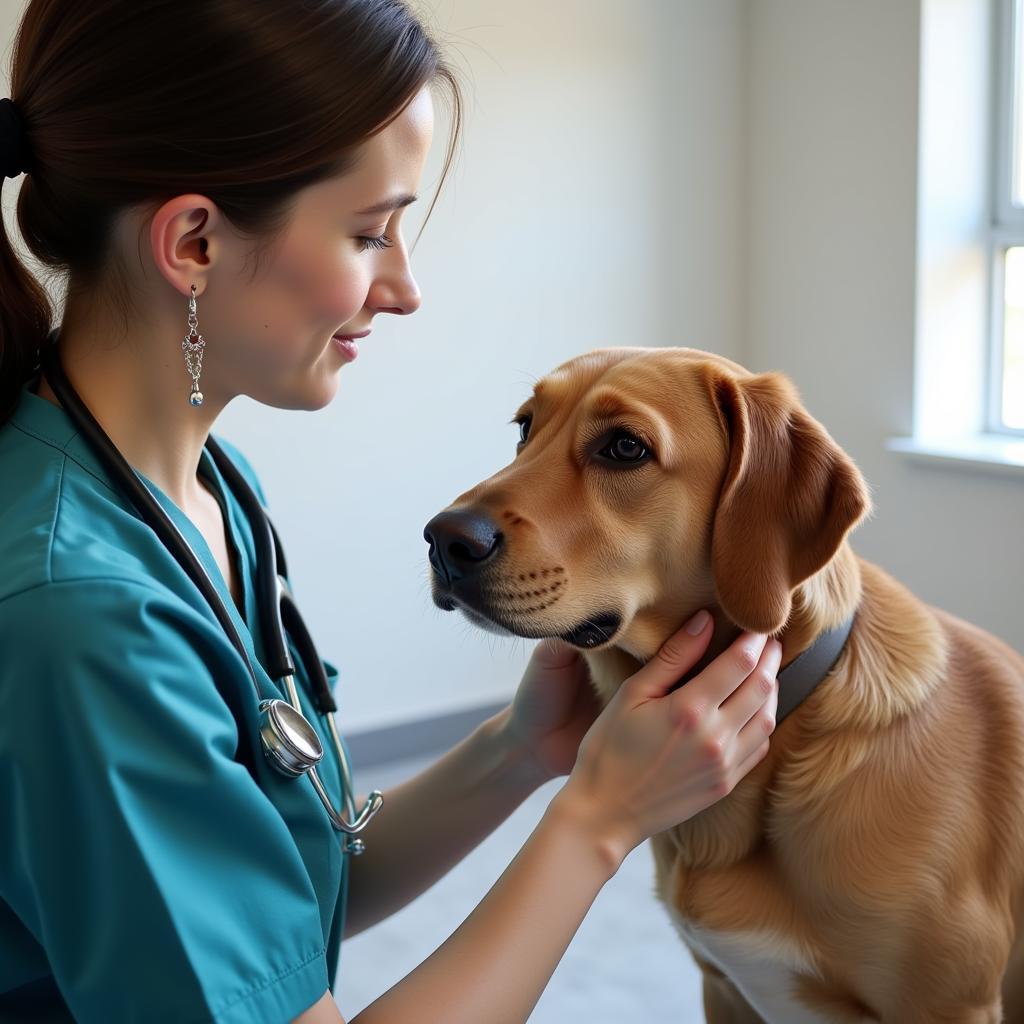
(244, 101)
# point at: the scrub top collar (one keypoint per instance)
(42, 418)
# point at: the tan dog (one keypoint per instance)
(871, 867)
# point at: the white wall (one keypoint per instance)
(738, 175)
(594, 203)
(831, 99)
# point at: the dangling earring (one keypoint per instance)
(193, 350)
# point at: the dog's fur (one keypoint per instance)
(871, 867)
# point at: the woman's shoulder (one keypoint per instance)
(62, 519)
(60, 522)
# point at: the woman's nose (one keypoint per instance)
(395, 289)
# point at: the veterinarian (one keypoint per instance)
(221, 186)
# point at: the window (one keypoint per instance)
(968, 392)
(1006, 383)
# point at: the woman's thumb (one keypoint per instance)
(676, 656)
(554, 654)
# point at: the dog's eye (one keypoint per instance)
(624, 447)
(524, 428)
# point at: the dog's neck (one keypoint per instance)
(820, 603)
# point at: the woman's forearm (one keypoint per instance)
(442, 814)
(497, 963)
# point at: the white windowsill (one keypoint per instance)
(990, 453)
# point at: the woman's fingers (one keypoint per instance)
(754, 734)
(676, 656)
(739, 684)
(719, 680)
(757, 691)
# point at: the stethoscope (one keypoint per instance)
(289, 741)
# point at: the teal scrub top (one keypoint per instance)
(144, 875)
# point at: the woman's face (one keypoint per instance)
(340, 262)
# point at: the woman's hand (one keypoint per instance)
(655, 758)
(553, 708)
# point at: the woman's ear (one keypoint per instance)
(789, 497)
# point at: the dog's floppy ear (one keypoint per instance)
(789, 497)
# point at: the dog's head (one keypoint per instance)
(648, 483)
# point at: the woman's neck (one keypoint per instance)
(139, 396)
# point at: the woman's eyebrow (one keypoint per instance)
(388, 205)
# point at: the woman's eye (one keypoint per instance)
(371, 242)
(524, 428)
(624, 447)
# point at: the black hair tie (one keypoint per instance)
(14, 155)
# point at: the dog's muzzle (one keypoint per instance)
(465, 546)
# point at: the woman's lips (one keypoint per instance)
(346, 344)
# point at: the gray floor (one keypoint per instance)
(625, 964)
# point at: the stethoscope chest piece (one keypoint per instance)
(289, 741)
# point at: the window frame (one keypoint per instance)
(1006, 228)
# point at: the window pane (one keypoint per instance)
(1013, 341)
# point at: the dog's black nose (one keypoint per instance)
(461, 542)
